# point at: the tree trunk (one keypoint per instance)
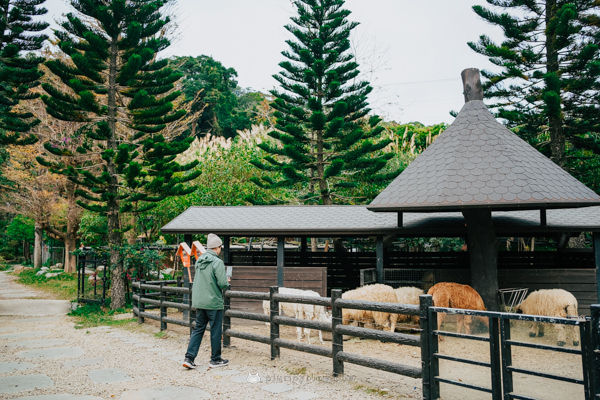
(37, 247)
(117, 281)
(483, 255)
(73, 220)
(552, 97)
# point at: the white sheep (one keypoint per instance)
(551, 303)
(376, 292)
(408, 295)
(300, 311)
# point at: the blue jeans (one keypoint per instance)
(203, 317)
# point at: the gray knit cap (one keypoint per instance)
(213, 241)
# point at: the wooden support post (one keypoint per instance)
(226, 318)
(379, 253)
(190, 316)
(163, 309)
(425, 301)
(596, 238)
(483, 255)
(141, 306)
(543, 217)
(337, 339)
(280, 259)
(274, 331)
(303, 250)
(227, 250)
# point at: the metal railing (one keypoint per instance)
(500, 352)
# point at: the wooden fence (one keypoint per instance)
(163, 296)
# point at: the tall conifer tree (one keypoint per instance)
(323, 142)
(19, 33)
(548, 81)
(123, 96)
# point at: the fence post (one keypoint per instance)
(274, 304)
(226, 318)
(434, 369)
(163, 309)
(337, 339)
(425, 301)
(593, 350)
(495, 365)
(586, 359)
(506, 351)
(189, 309)
(141, 305)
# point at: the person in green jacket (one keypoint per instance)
(207, 298)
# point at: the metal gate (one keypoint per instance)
(500, 350)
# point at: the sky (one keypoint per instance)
(412, 52)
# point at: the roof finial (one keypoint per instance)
(471, 84)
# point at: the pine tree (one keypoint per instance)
(18, 72)
(547, 84)
(123, 98)
(324, 143)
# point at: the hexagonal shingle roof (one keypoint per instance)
(479, 163)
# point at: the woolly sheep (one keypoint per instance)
(456, 295)
(551, 303)
(300, 311)
(408, 295)
(377, 292)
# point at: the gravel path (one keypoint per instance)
(44, 357)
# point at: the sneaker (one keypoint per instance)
(218, 363)
(189, 364)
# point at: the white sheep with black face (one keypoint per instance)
(551, 303)
(301, 311)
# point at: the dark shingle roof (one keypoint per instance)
(477, 162)
(358, 221)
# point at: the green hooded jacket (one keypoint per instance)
(210, 279)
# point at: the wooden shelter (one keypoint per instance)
(478, 166)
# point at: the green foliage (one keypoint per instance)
(19, 73)
(224, 107)
(63, 285)
(93, 229)
(324, 143)
(124, 123)
(225, 181)
(20, 229)
(547, 84)
(90, 315)
(139, 260)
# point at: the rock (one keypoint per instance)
(44, 269)
(100, 268)
(40, 273)
(51, 275)
(58, 266)
(168, 271)
(17, 269)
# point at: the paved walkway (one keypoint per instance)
(44, 357)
